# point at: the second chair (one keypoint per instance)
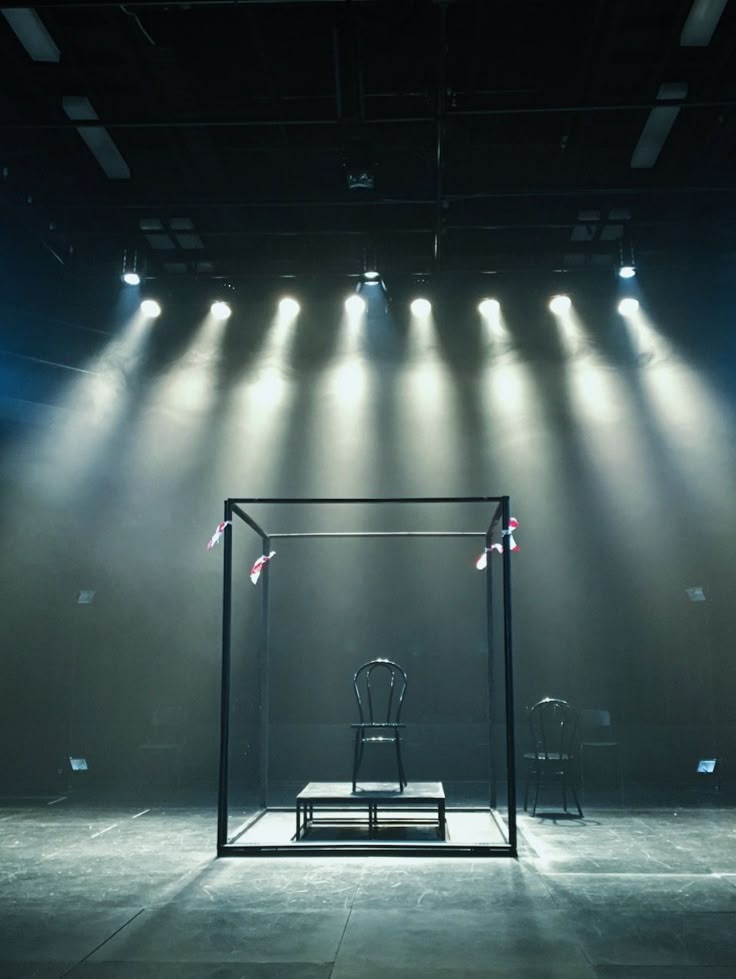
(554, 725)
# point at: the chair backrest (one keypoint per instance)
(380, 686)
(554, 725)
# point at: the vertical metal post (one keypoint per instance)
(491, 655)
(509, 678)
(263, 683)
(222, 795)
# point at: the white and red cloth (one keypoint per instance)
(217, 536)
(513, 546)
(255, 571)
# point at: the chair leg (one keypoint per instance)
(357, 757)
(577, 803)
(526, 788)
(573, 774)
(537, 781)
(399, 763)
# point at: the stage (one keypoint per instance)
(375, 806)
(136, 892)
(319, 817)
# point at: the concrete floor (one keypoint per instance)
(116, 892)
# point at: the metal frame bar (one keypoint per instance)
(223, 780)
(329, 500)
(383, 533)
(249, 520)
(509, 676)
(264, 661)
(233, 507)
(489, 650)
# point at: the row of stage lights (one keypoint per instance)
(355, 306)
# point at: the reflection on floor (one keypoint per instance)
(122, 892)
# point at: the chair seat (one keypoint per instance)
(373, 724)
(548, 756)
(599, 744)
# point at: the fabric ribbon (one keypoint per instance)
(217, 536)
(513, 546)
(255, 571)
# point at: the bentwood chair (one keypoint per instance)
(553, 725)
(380, 686)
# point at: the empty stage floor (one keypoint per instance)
(123, 892)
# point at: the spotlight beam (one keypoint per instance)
(220, 310)
(560, 304)
(421, 307)
(289, 307)
(489, 307)
(354, 305)
(628, 305)
(150, 308)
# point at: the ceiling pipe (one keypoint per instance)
(530, 193)
(440, 135)
(62, 4)
(370, 121)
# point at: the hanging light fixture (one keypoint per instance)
(131, 272)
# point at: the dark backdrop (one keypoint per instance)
(120, 441)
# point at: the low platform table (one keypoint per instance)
(336, 797)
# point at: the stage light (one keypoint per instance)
(150, 308)
(489, 307)
(627, 272)
(354, 305)
(130, 273)
(288, 306)
(628, 306)
(560, 304)
(359, 167)
(357, 179)
(371, 277)
(421, 307)
(220, 310)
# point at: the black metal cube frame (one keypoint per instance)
(231, 846)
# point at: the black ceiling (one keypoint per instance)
(500, 135)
